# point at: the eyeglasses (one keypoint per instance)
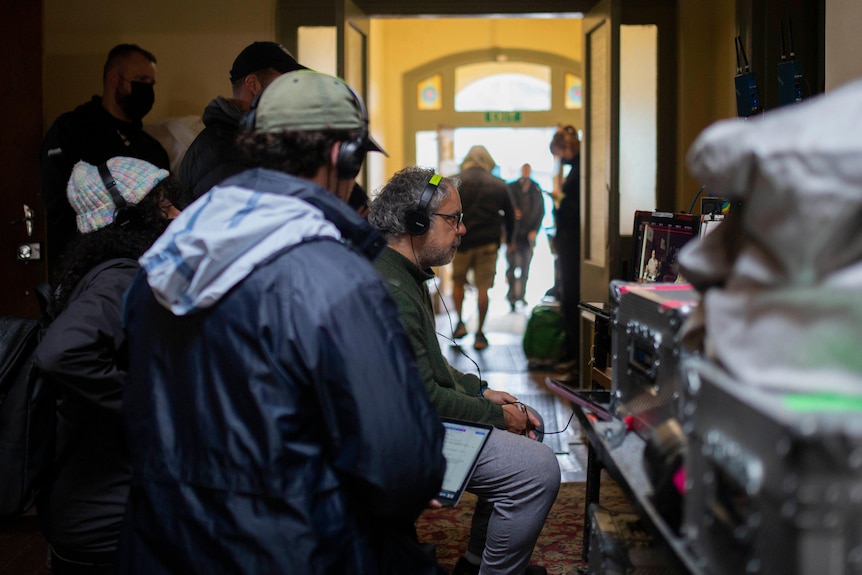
(453, 219)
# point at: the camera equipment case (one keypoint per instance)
(645, 349)
(774, 480)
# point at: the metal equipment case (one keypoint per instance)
(774, 480)
(645, 349)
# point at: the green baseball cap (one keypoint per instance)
(305, 100)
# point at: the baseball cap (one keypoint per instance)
(310, 101)
(261, 55)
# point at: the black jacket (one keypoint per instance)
(91, 134)
(488, 213)
(532, 206)
(82, 356)
(213, 155)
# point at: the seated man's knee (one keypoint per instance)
(545, 467)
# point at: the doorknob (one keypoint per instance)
(28, 251)
(28, 220)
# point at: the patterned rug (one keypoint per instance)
(559, 548)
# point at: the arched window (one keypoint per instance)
(510, 101)
(502, 86)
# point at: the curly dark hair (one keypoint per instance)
(86, 251)
(297, 153)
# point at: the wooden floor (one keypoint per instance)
(503, 365)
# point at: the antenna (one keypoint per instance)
(740, 49)
(738, 61)
(781, 32)
(790, 35)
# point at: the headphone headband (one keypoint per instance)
(416, 221)
(126, 215)
(111, 185)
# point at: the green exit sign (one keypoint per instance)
(502, 117)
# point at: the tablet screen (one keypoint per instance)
(461, 447)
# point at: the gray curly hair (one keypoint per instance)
(401, 194)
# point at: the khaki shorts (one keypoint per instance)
(483, 262)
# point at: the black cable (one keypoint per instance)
(696, 196)
(457, 345)
(563, 430)
(448, 316)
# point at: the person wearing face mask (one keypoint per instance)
(107, 126)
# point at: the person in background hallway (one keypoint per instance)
(107, 126)
(82, 357)
(566, 146)
(213, 155)
(487, 210)
(529, 207)
(517, 478)
(277, 421)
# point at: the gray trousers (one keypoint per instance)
(516, 480)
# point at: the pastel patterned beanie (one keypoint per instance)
(90, 198)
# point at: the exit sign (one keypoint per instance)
(502, 117)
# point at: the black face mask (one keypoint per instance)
(137, 103)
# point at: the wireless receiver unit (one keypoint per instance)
(789, 72)
(747, 94)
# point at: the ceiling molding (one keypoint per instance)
(482, 8)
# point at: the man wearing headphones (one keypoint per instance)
(517, 478)
(276, 419)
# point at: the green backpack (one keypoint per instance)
(544, 335)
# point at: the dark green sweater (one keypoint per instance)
(454, 394)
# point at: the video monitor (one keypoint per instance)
(657, 238)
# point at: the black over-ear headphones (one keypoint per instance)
(352, 152)
(416, 221)
(126, 215)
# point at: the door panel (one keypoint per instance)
(21, 60)
(600, 149)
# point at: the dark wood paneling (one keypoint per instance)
(759, 23)
(21, 126)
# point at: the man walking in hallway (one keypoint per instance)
(529, 207)
(487, 210)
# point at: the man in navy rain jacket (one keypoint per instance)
(276, 418)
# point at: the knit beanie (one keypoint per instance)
(90, 198)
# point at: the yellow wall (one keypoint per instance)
(397, 46)
(707, 65)
(194, 42)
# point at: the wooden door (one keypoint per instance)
(600, 151)
(22, 243)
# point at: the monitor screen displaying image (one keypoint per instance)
(658, 238)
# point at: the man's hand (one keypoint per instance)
(515, 415)
(499, 397)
